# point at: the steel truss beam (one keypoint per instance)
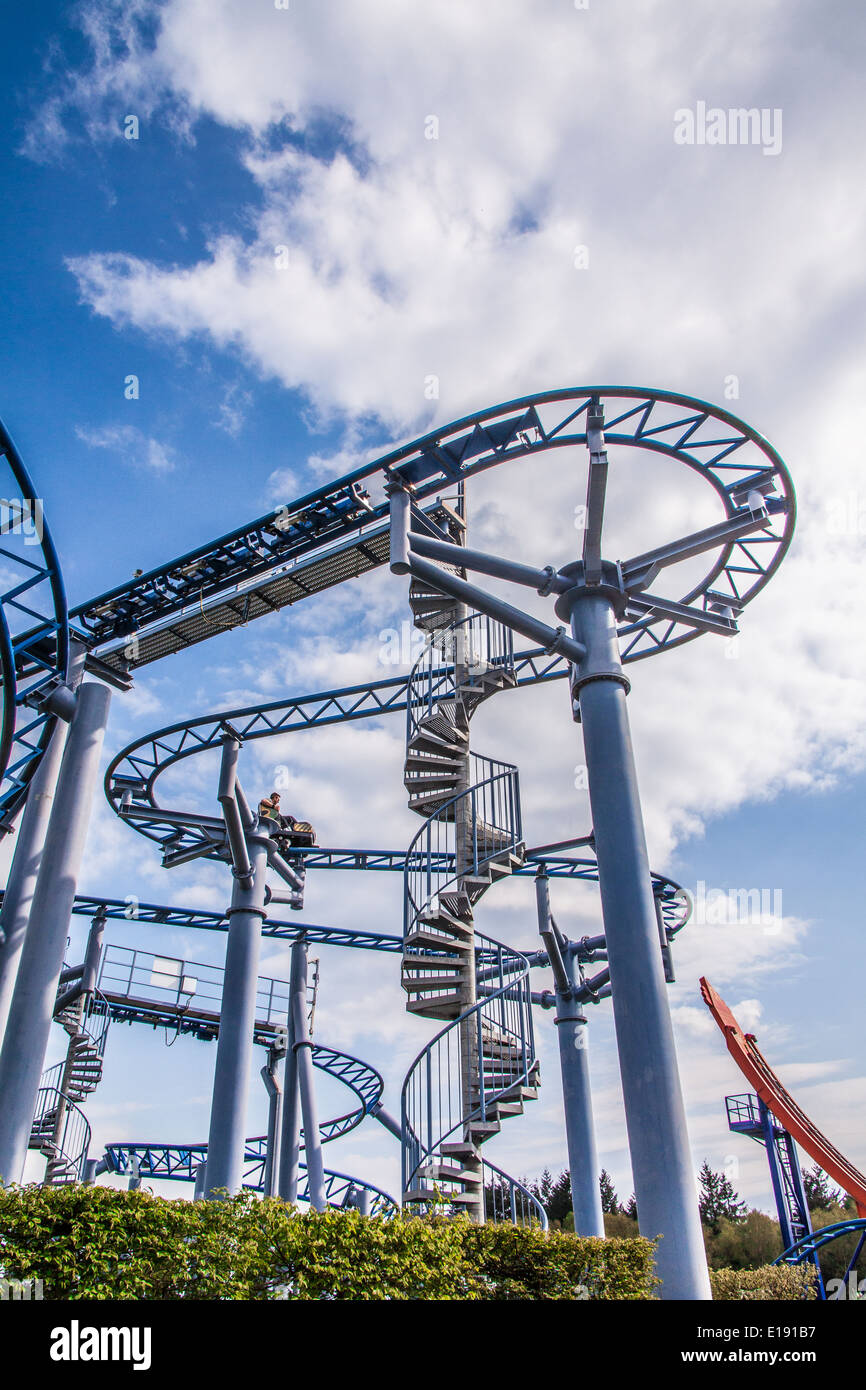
(178, 1163)
(260, 567)
(34, 630)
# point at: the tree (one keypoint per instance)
(560, 1197)
(609, 1200)
(718, 1201)
(749, 1242)
(554, 1194)
(820, 1196)
(630, 1209)
(542, 1189)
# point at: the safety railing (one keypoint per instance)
(436, 1106)
(182, 984)
(506, 1199)
(743, 1112)
(60, 1125)
(96, 1021)
(472, 647)
(466, 832)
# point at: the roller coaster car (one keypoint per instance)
(297, 835)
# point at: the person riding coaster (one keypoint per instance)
(288, 832)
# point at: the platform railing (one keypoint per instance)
(169, 980)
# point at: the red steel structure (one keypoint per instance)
(743, 1048)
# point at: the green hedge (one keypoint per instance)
(102, 1243)
(769, 1282)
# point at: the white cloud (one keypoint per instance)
(131, 445)
(453, 258)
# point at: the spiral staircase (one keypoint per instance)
(481, 1068)
(60, 1130)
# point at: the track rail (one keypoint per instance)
(178, 1162)
(34, 629)
(258, 568)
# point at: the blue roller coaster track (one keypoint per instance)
(34, 632)
(481, 1068)
(179, 1162)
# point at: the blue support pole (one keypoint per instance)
(32, 1007)
(24, 870)
(287, 1186)
(768, 1126)
(572, 1031)
(655, 1115)
(275, 1097)
(573, 1039)
(303, 1049)
(134, 1181)
(227, 1133)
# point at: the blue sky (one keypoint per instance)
(456, 257)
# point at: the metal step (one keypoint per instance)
(422, 937)
(445, 1007)
(425, 983)
(432, 779)
(420, 962)
(444, 717)
(446, 921)
(460, 1148)
(448, 1172)
(455, 901)
(422, 1194)
(483, 1129)
(499, 1109)
(422, 741)
(498, 1051)
(432, 805)
(423, 762)
(519, 1092)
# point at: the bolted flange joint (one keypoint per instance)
(592, 610)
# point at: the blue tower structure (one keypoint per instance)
(749, 1115)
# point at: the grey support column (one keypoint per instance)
(32, 1006)
(303, 1050)
(573, 1039)
(275, 1096)
(21, 884)
(134, 1182)
(287, 1186)
(227, 1135)
(655, 1115)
